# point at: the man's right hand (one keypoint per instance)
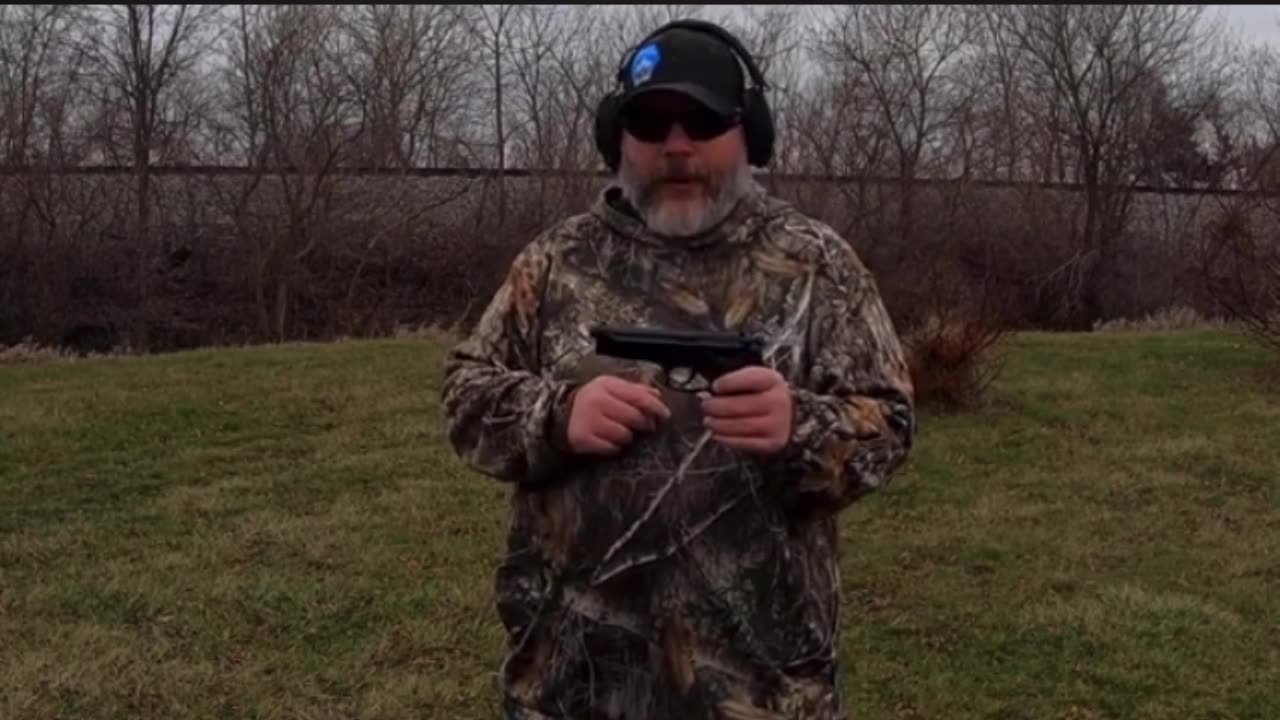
(608, 411)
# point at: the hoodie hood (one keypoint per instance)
(751, 213)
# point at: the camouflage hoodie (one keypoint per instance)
(679, 579)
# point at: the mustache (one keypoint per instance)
(680, 172)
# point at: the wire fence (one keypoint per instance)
(535, 173)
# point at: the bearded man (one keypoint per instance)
(674, 554)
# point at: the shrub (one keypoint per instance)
(1241, 271)
(1175, 317)
(953, 360)
(30, 351)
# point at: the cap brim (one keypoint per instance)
(695, 92)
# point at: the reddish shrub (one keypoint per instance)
(953, 360)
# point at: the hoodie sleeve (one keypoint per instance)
(504, 418)
(855, 417)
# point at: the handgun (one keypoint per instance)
(683, 355)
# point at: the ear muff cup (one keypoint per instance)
(757, 117)
(757, 124)
(608, 134)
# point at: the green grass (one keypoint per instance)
(282, 533)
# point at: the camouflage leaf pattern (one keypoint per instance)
(678, 579)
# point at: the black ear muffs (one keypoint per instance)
(757, 117)
(608, 134)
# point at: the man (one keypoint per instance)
(674, 554)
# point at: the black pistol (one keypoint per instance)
(683, 355)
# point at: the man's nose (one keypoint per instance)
(677, 142)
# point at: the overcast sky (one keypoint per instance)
(1254, 23)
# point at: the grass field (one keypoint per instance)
(282, 533)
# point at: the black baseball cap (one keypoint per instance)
(689, 62)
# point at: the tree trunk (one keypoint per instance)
(1089, 305)
(142, 217)
(498, 126)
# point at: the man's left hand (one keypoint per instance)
(750, 410)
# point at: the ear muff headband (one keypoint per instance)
(757, 118)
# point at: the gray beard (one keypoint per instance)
(685, 221)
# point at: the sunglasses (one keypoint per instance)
(699, 124)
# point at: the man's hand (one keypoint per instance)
(750, 410)
(608, 411)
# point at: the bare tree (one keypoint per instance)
(909, 60)
(1000, 98)
(406, 68)
(1092, 69)
(1255, 119)
(551, 117)
(139, 57)
(773, 37)
(491, 25)
(29, 44)
(1239, 252)
(535, 33)
(297, 120)
(587, 66)
(52, 267)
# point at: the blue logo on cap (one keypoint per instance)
(644, 63)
